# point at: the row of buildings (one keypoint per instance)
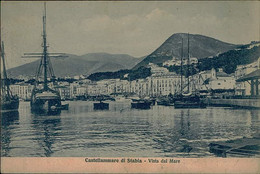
(160, 83)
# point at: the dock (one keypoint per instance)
(240, 103)
(244, 147)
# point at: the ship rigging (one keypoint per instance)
(191, 98)
(8, 100)
(45, 99)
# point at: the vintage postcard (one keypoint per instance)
(130, 86)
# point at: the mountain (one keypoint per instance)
(200, 47)
(123, 59)
(76, 65)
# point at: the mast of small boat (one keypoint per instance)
(181, 63)
(4, 82)
(45, 53)
(188, 64)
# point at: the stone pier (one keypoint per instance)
(243, 103)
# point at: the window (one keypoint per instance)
(219, 83)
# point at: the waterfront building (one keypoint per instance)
(140, 87)
(22, 90)
(73, 89)
(64, 92)
(242, 87)
(81, 90)
(212, 80)
(92, 89)
(15, 89)
(222, 81)
(164, 84)
(102, 87)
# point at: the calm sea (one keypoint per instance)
(161, 131)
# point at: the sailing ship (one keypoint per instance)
(43, 98)
(8, 101)
(190, 99)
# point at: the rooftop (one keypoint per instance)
(251, 76)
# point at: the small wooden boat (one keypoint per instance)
(244, 147)
(8, 100)
(101, 106)
(141, 104)
(188, 101)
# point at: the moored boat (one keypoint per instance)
(190, 99)
(10, 104)
(8, 100)
(101, 106)
(141, 104)
(44, 99)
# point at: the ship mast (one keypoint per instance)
(181, 63)
(5, 90)
(45, 53)
(45, 62)
(188, 64)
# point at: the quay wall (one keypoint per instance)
(244, 103)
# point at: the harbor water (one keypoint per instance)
(161, 131)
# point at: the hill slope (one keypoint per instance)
(200, 47)
(76, 65)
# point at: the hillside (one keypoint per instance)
(200, 47)
(76, 65)
(229, 61)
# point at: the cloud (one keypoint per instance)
(138, 32)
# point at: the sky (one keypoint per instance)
(134, 28)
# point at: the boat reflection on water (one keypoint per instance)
(8, 120)
(47, 130)
(42, 112)
(9, 117)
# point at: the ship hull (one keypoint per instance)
(191, 101)
(48, 106)
(46, 102)
(10, 105)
